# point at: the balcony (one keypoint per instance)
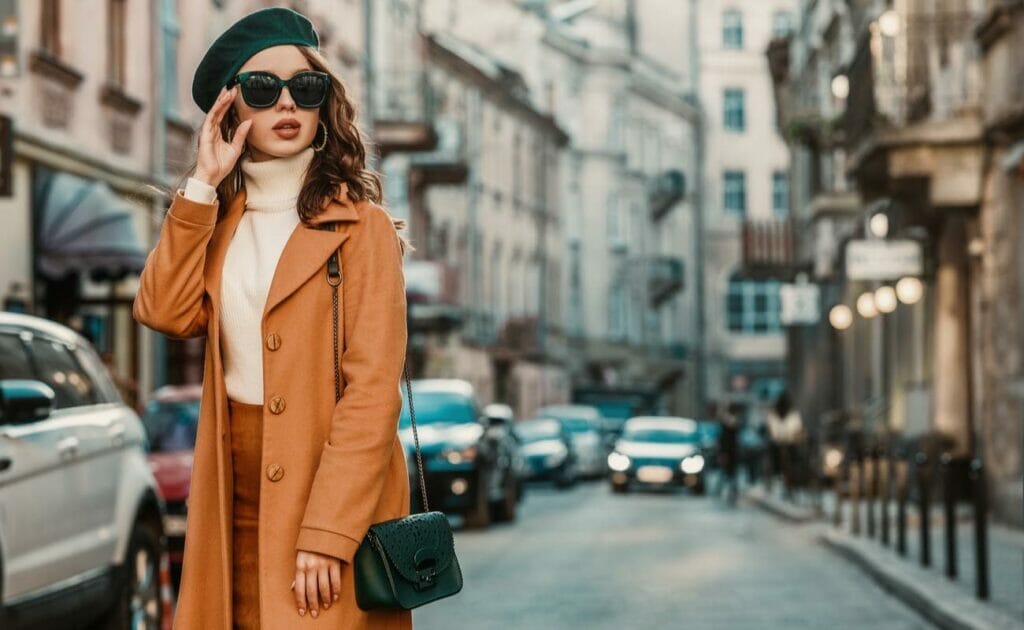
(403, 112)
(914, 106)
(665, 278)
(431, 289)
(768, 247)
(446, 163)
(663, 191)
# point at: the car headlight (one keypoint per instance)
(459, 455)
(833, 458)
(692, 464)
(618, 462)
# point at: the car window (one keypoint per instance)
(171, 426)
(14, 361)
(440, 407)
(661, 435)
(59, 370)
(107, 391)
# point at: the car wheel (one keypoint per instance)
(138, 603)
(479, 516)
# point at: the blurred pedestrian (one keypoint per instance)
(279, 207)
(728, 451)
(786, 432)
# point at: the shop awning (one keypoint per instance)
(83, 225)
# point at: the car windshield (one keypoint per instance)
(665, 436)
(536, 430)
(437, 408)
(578, 425)
(171, 426)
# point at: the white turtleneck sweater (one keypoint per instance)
(270, 216)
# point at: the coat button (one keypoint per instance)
(273, 341)
(277, 404)
(275, 472)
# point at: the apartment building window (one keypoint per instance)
(734, 113)
(732, 29)
(171, 30)
(782, 24)
(734, 192)
(49, 36)
(616, 220)
(780, 194)
(116, 36)
(617, 311)
(752, 306)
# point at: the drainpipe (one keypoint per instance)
(698, 213)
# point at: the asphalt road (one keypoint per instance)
(587, 559)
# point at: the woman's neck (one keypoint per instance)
(274, 184)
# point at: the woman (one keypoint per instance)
(285, 480)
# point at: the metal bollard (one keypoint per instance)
(949, 505)
(977, 475)
(886, 482)
(901, 507)
(856, 483)
(924, 507)
(872, 491)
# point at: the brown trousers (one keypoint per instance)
(246, 422)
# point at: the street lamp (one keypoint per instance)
(841, 317)
(879, 225)
(889, 23)
(885, 299)
(910, 290)
(866, 305)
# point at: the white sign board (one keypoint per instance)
(801, 304)
(883, 260)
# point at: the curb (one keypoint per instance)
(782, 509)
(934, 598)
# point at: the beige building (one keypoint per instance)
(744, 182)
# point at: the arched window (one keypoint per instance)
(752, 306)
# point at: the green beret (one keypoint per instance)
(260, 29)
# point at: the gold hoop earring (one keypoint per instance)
(324, 143)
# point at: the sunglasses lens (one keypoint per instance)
(308, 89)
(259, 90)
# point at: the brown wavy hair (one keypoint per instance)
(342, 160)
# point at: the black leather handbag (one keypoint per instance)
(409, 561)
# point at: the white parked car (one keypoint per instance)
(585, 426)
(81, 536)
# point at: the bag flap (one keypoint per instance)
(416, 541)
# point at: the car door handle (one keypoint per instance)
(116, 433)
(68, 446)
(5, 463)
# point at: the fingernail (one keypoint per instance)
(302, 611)
(335, 597)
(313, 612)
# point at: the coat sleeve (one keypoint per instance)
(353, 465)
(171, 289)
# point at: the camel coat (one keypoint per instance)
(330, 470)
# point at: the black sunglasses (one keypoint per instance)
(262, 89)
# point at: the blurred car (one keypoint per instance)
(81, 533)
(547, 447)
(171, 418)
(658, 451)
(586, 429)
(469, 463)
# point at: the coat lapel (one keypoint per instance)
(305, 252)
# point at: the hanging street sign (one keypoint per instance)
(883, 259)
(800, 304)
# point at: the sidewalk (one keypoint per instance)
(948, 603)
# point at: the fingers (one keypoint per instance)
(312, 593)
(238, 140)
(324, 581)
(335, 574)
(299, 589)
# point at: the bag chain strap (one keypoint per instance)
(334, 279)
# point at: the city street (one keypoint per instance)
(586, 558)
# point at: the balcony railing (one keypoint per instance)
(665, 278)
(404, 111)
(664, 190)
(768, 246)
(447, 163)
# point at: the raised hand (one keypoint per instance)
(217, 156)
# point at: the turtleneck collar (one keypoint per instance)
(274, 184)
